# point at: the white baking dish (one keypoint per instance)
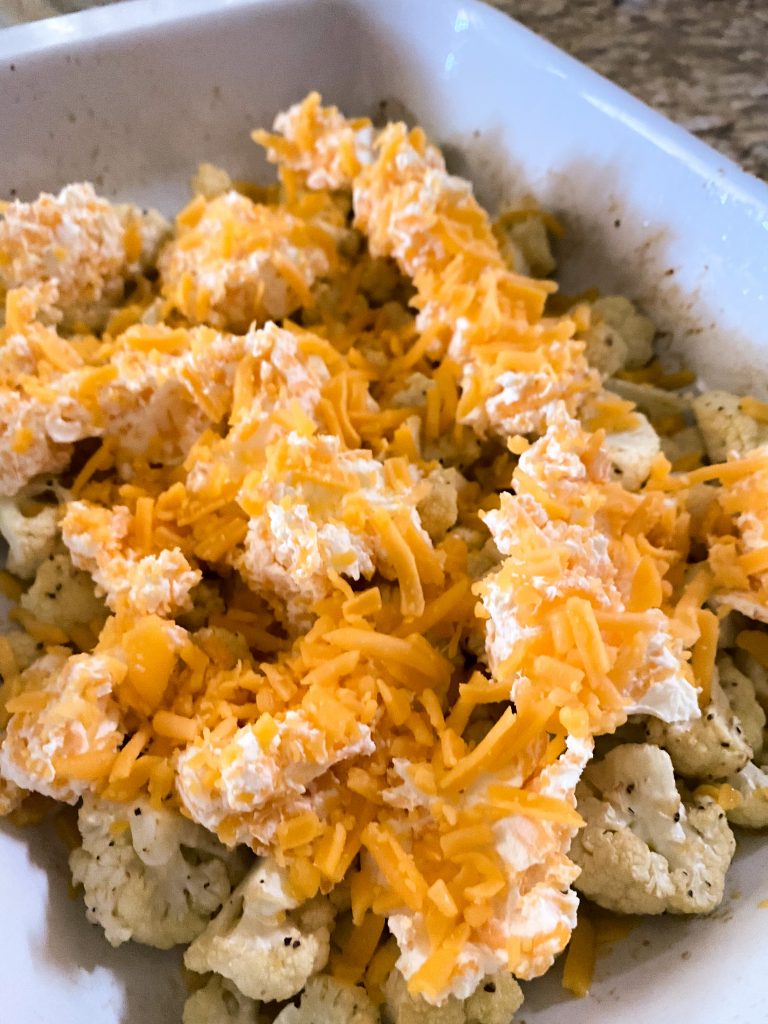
(133, 96)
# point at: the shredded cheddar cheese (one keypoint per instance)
(340, 482)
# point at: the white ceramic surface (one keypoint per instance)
(133, 96)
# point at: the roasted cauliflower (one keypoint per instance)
(724, 427)
(717, 743)
(261, 941)
(618, 336)
(30, 539)
(495, 1001)
(220, 1002)
(644, 849)
(330, 1001)
(751, 783)
(149, 875)
(62, 595)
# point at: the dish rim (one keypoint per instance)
(99, 24)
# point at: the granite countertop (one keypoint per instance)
(701, 62)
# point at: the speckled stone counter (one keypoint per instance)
(703, 63)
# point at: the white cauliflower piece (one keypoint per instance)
(210, 181)
(223, 646)
(757, 675)
(311, 509)
(149, 875)
(62, 595)
(725, 427)
(76, 249)
(740, 691)
(73, 241)
(413, 395)
(151, 229)
(161, 401)
(25, 649)
(524, 244)
(439, 509)
(323, 147)
(495, 1001)
(752, 784)
(97, 539)
(242, 262)
(709, 747)
(158, 403)
(632, 453)
(684, 443)
(11, 797)
(30, 539)
(262, 940)
(254, 788)
(643, 850)
(78, 715)
(23, 417)
(220, 1002)
(328, 1001)
(618, 337)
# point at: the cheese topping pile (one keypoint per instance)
(371, 573)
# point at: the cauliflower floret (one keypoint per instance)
(149, 584)
(482, 553)
(643, 850)
(413, 395)
(223, 646)
(261, 941)
(740, 691)
(77, 716)
(684, 443)
(146, 233)
(11, 797)
(524, 243)
(725, 427)
(618, 337)
(632, 453)
(756, 673)
(439, 510)
(495, 1001)
(156, 405)
(30, 539)
(752, 783)
(709, 747)
(161, 401)
(24, 418)
(320, 145)
(149, 875)
(605, 350)
(220, 1002)
(74, 241)
(62, 595)
(317, 508)
(255, 787)
(25, 649)
(77, 249)
(328, 1001)
(241, 262)
(210, 181)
